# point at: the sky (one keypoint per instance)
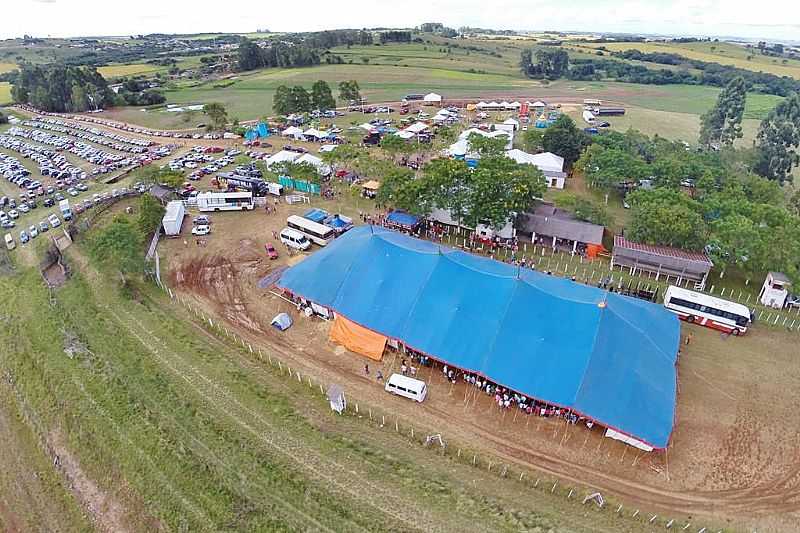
(771, 20)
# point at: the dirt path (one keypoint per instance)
(775, 497)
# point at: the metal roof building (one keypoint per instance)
(662, 260)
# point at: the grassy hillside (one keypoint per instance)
(130, 69)
(715, 52)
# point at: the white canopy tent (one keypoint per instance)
(281, 157)
(417, 127)
(292, 131)
(432, 98)
(405, 135)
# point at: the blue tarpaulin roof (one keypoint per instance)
(401, 218)
(316, 215)
(606, 356)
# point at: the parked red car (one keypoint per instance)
(272, 253)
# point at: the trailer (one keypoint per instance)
(225, 201)
(173, 218)
(66, 212)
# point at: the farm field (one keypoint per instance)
(672, 110)
(722, 53)
(7, 67)
(5, 92)
(120, 70)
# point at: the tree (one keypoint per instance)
(794, 202)
(300, 99)
(487, 146)
(248, 56)
(282, 100)
(722, 124)
(777, 141)
(564, 138)
(3, 118)
(217, 115)
(584, 209)
(349, 91)
(394, 145)
(321, 96)
(551, 63)
(61, 88)
(400, 189)
(299, 171)
(118, 246)
(150, 214)
(501, 187)
(664, 217)
(735, 242)
(533, 140)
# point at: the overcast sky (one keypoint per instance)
(764, 19)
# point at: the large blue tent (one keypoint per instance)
(606, 356)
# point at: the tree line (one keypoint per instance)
(61, 88)
(740, 218)
(555, 63)
(297, 99)
(251, 56)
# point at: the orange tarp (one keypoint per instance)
(357, 338)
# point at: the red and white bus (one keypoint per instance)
(705, 310)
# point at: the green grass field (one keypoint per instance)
(131, 69)
(722, 53)
(5, 93)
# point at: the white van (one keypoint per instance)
(10, 244)
(411, 388)
(295, 239)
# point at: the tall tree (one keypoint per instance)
(118, 246)
(217, 114)
(249, 55)
(282, 100)
(778, 140)
(301, 99)
(151, 213)
(564, 138)
(722, 124)
(321, 96)
(487, 146)
(349, 91)
(665, 217)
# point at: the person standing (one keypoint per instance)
(366, 369)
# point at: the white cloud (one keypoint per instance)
(771, 20)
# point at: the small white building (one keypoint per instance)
(432, 99)
(588, 117)
(173, 218)
(551, 165)
(775, 290)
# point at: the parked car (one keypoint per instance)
(201, 230)
(202, 220)
(33, 231)
(23, 237)
(54, 221)
(48, 202)
(43, 226)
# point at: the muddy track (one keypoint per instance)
(778, 496)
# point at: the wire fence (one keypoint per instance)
(600, 271)
(435, 441)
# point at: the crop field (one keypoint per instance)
(5, 92)
(7, 67)
(117, 71)
(715, 52)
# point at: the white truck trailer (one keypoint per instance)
(173, 218)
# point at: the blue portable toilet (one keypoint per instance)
(263, 130)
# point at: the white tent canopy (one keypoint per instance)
(432, 98)
(404, 134)
(292, 131)
(367, 126)
(281, 157)
(417, 127)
